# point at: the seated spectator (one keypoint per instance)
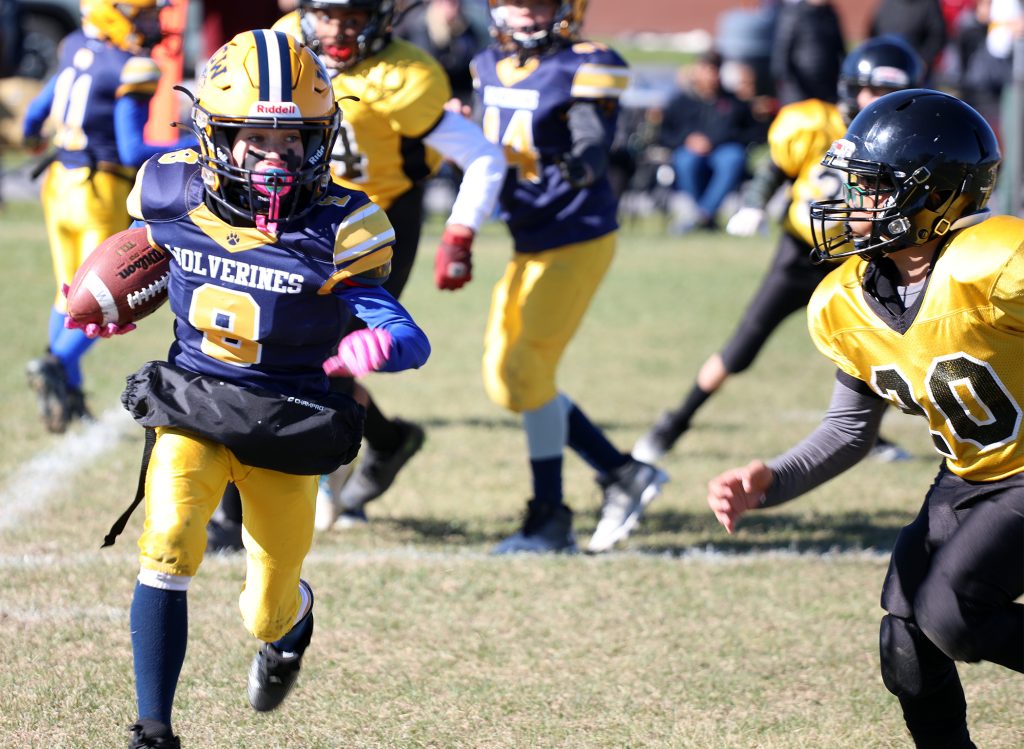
(708, 130)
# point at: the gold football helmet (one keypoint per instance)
(265, 79)
(565, 27)
(131, 25)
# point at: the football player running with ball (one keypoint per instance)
(270, 261)
(395, 133)
(797, 139)
(925, 314)
(98, 104)
(551, 100)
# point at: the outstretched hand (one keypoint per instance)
(359, 353)
(733, 492)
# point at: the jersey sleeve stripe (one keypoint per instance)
(361, 232)
(599, 82)
(357, 267)
(134, 201)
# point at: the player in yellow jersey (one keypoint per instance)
(395, 134)
(798, 138)
(926, 315)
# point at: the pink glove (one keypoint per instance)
(453, 262)
(359, 353)
(92, 330)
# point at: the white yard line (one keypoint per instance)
(28, 489)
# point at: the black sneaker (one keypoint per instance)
(660, 437)
(376, 471)
(223, 535)
(627, 492)
(47, 378)
(76, 407)
(152, 734)
(273, 673)
(546, 529)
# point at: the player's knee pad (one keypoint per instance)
(269, 610)
(519, 378)
(899, 650)
(943, 618)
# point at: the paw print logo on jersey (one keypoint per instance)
(232, 239)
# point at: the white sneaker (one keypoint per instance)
(626, 496)
(328, 501)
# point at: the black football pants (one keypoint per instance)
(955, 574)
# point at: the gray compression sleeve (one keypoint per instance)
(845, 435)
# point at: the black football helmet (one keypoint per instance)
(885, 62)
(920, 164)
(373, 38)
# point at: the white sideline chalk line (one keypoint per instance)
(406, 553)
(29, 487)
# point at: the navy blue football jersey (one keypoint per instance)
(524, 110)
(258, 309)
(91, 77)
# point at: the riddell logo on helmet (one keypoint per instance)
(275, 108)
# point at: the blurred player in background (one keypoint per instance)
(797, 139)
(551, 100)
(271, 259)
(395, 132)
(925, 315)
(98, 104)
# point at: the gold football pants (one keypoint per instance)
(186, 478)
(536, 309)
(80, 212)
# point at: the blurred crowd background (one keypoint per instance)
(718, 71)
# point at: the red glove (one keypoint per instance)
(453, 263)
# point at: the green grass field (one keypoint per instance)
(686, 637)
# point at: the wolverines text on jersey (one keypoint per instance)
(958, 362)
(249, 307)
(524, 110)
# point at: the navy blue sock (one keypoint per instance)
(589, 442)
(547, 480)
(159, 623)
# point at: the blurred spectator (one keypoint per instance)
(708, 130)
(990, 67)
(10, 37)
(741, 78)
(450, 35)
(223, 19)
(920, 22)
(807, 52)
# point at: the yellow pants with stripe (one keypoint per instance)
(80, 212)
(186, 478)
(536, 308)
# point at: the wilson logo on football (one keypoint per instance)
(152, 257)
(275, 108)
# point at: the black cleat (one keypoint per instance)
(546, 529)
(376, 471)
(273, 673)
(47, 378)
(223, 535)
(152, 734)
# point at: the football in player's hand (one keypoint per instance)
(122, 281)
